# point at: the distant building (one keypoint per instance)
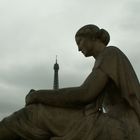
(56, 77)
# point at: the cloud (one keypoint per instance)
(27, 77)
(130, 16)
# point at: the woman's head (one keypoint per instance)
(93, 31)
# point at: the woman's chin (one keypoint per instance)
(86, 55)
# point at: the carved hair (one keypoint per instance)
(93, 31)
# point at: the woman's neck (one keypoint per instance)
(98, 49)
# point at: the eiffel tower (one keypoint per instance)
(56, 78)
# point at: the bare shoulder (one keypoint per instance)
(109, 54)
(112, 49)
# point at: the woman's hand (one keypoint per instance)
(30, 98)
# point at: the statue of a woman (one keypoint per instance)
(106, 106)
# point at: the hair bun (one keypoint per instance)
(104, 36)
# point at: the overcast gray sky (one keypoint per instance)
(33, 32)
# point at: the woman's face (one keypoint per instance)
(85, 45)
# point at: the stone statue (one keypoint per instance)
(105, 107)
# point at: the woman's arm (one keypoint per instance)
(71, 97)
